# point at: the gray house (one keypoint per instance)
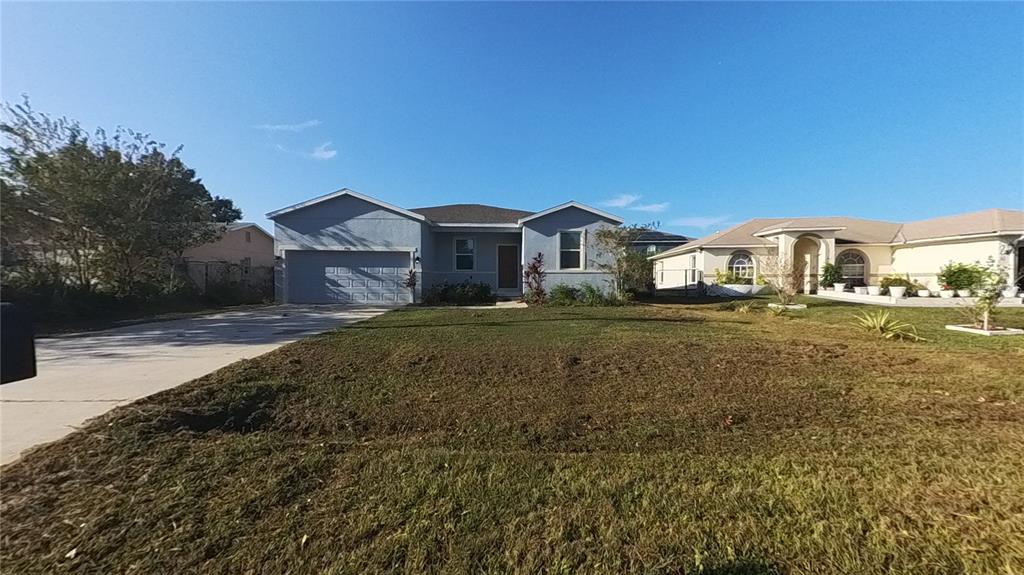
(346, 247)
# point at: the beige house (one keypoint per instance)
(866, 250)
(243, 243)
(243, 252)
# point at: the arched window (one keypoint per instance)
(742, 264)
(853, 265)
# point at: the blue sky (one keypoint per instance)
(693, 115)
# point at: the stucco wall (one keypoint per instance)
(440, 266)
(922, 261)
(232, 247)
(347, 222)
(879, 260)
(541, 236)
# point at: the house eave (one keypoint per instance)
(572, 204)
(345, 192)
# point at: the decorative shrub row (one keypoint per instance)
(583, 294)
(464, 293)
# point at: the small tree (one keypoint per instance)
(630, 269)
(533, 277)
(784, 274)
(988, 291)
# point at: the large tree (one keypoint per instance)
(111, 210)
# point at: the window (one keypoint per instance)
(248, 237)
(570, 250)
(742, 264)
(852, 265)
(465, 254)
(652, 249)
(693, 261)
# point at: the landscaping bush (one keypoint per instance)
(731, 278)
(960, 276)
(464, 293)
(830, 274)
(899, 281)
(583, 295)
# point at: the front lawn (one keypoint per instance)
(650, 438)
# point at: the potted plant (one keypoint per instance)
(860, 290)
(897, 286)
(1010, 291)
(874, 290)
(947, 291)
(924, 292)
(832, 275)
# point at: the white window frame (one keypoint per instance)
(582, 249)
(864, 265)
(750, 258)
(455, 253)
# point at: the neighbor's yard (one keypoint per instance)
(648, 438)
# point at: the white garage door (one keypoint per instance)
(347, 277)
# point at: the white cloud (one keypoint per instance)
(621, 200)
(653, 208)
(288, 127)
(700, 221)
(323, 152)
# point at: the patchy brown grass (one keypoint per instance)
(647, 438)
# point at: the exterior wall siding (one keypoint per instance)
(441, 265)
(922, 261)
(232, 247)
(347, 222)
(541, 236)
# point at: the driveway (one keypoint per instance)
(85, 375)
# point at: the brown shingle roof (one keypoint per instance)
(471, 214)
(861, 231)
(983, 222)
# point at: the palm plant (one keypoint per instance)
(885, 325)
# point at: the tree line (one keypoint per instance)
(101, 212)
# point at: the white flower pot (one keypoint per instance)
(1011, 291)
(839, 287)
(897, 291)
(924, 293)
(947, 293)
(860, 290)
(963, 292)
(874, 290)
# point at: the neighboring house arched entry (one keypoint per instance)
(854, 266)
(805, 255)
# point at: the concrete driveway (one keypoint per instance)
(85, 375)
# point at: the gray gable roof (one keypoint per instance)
(656, 237)
(471, 214)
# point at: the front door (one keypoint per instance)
(508, 267)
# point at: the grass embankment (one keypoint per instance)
(644, 438)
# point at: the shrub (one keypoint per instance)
(533, 278)
(960, 276)
(830, 274)
(882, 323)
(900, 281)
(585, 295)
(564, 294)
(463, 293)
(730, 277)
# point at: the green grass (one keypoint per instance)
(651, 438)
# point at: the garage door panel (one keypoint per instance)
(347, 277)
